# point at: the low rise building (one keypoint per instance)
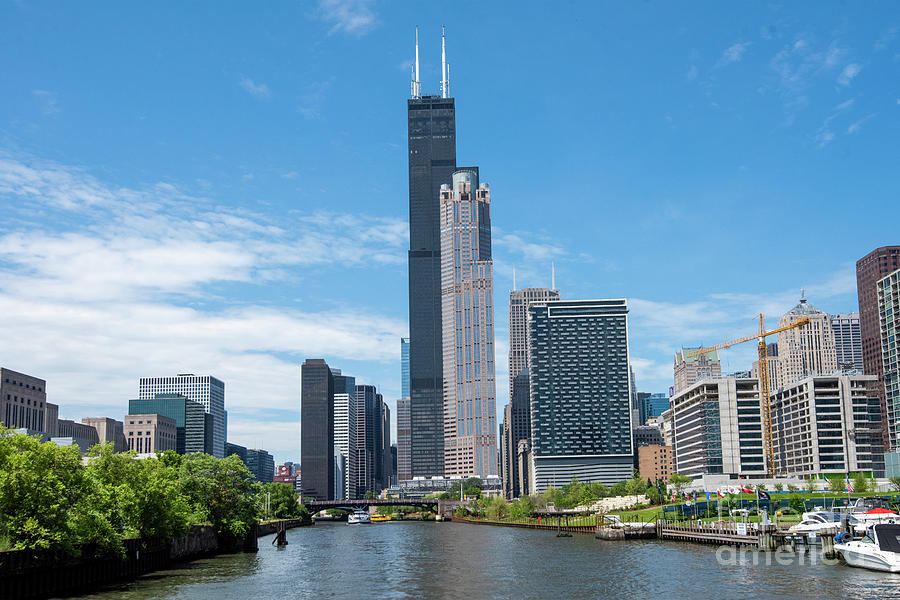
(718, 428)
(109, 431)
(645, 435)
(828, 424)
(70, 433)
(23, 401)
(655, 462)
(151, 433)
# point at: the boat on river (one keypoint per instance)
(879, 550)
(376, 518)
(358, 517)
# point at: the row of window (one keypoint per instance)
(36, 388)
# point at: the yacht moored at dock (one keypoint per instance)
(879, 550)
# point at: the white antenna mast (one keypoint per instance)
(414, 85)
(445, 91)
(552, 276)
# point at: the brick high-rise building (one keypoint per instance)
(467, 304)
(869, 269)
(149, 434)
(691, 369)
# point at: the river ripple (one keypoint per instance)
(450, 560)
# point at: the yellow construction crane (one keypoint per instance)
(763, 379)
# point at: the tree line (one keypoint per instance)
(52, 500)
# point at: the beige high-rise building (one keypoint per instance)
(148, 434)
(691, 369)
(109, 431)
(807, 350)
(467, 312)
(519, 300)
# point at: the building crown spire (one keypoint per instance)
(414, 85)
(445, 70)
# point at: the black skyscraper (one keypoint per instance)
(432, 160)
(317, 429)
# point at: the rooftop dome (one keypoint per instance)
(804, 308)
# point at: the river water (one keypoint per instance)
(450, 560)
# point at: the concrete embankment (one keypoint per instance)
(26, 574)
(529, 525)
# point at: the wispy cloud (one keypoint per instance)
(47, 101)
(355, 17)
(732, 54)
(849, 72)
(692, 73)
(313, 98)
(259, 90)
(855, 127)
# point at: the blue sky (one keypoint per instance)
(222, 188)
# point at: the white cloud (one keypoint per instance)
(259, 90)
(131, 286)
(855, 127)
(849, 72)
(349, 16)
(692, 73)
(733, 54)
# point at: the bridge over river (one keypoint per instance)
(444, 508)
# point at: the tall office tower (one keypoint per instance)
(506, 459)
(23, 402)
(404, 367)
(261, 464)
(404, 458)
(869, 269)
(717, 428)
(207, 390)
(807, 350)
(847, 341)
(653, 405)
(517, 427)
(518, 322)
(827, 424)
(432, 159)
(317, 429)
(691, 369)
(889, 311)
(579, 381)
(190, 419)
(345, 419)
(387, 474)
(467, 287)
(368, 425)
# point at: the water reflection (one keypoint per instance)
(440, 560)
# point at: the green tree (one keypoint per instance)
(496, 508)
(779, 487)
(862, 484)
(284, 501)
(521, 508)
(792, 488)
(810, 484)
(221, 492)
(679, 482)
(635, 486)
(618, 489)
(836, 483)
(141, 497)
(46, 500)
(797, 505)
(895, 483)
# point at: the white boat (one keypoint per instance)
(358, 517)
(814, 523)
(879, 550)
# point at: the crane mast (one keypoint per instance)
(765, 404)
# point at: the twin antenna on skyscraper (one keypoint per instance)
(415, 85)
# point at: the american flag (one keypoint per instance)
(849, 484)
